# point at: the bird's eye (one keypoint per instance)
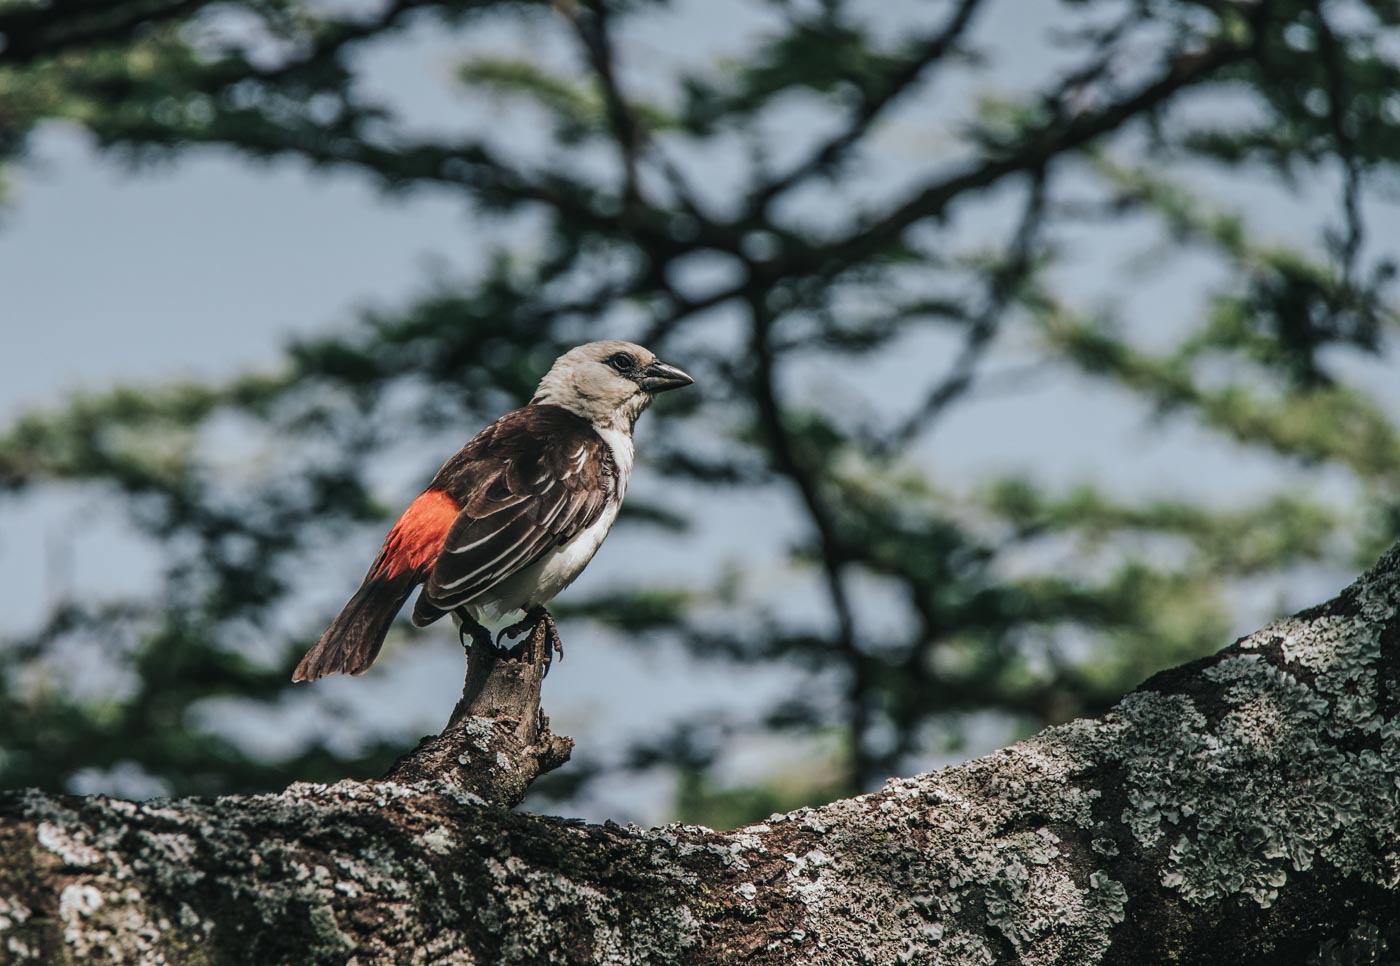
(622, 361)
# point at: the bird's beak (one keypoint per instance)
(659, 377)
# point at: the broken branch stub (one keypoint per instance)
(497, 741)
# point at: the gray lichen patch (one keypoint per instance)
(534, 911)
(12, 913)
(438, 840)
(318, 874)
(13, 946)
(479, 730)
(70, 848)
(1284, 773)
(957, 867)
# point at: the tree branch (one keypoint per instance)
(1004, 280)
(498, 740)
(32, 32)
(833, 557)
(1241, 808)
(884, 91)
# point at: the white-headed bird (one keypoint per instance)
(514, 517)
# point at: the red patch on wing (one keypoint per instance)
(417, 538)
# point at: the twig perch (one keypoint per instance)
(498, 740)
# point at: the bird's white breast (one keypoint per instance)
(621, 445)
(540, 582)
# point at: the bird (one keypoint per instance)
(513, 518)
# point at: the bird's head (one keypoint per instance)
(608, 383)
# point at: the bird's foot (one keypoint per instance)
(544, 633)
(550, 643)
(470, 627)
(527, 623)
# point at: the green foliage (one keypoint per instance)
(1014, 596)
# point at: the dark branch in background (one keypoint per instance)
(877, 94)
(631, 138)
(1338, 114)
(804, 479)
(334, 37)
(1034, 152)
(1003, 283)
(635, 145)
(41, 30)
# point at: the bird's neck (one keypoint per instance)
(623, 419)
(615, 428)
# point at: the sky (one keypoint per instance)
(206, 266)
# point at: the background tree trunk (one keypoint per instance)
(1239, 809)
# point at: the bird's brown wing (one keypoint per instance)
(529, 482)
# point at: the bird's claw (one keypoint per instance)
(549, 640)
(480, 636)
(515, 630)
(544, 633)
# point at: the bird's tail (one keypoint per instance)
(353, 640)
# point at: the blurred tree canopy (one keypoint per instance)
(838, 302)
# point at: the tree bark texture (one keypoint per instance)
(498, 740)
(1239, 809)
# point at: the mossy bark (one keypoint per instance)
(1239, 809)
